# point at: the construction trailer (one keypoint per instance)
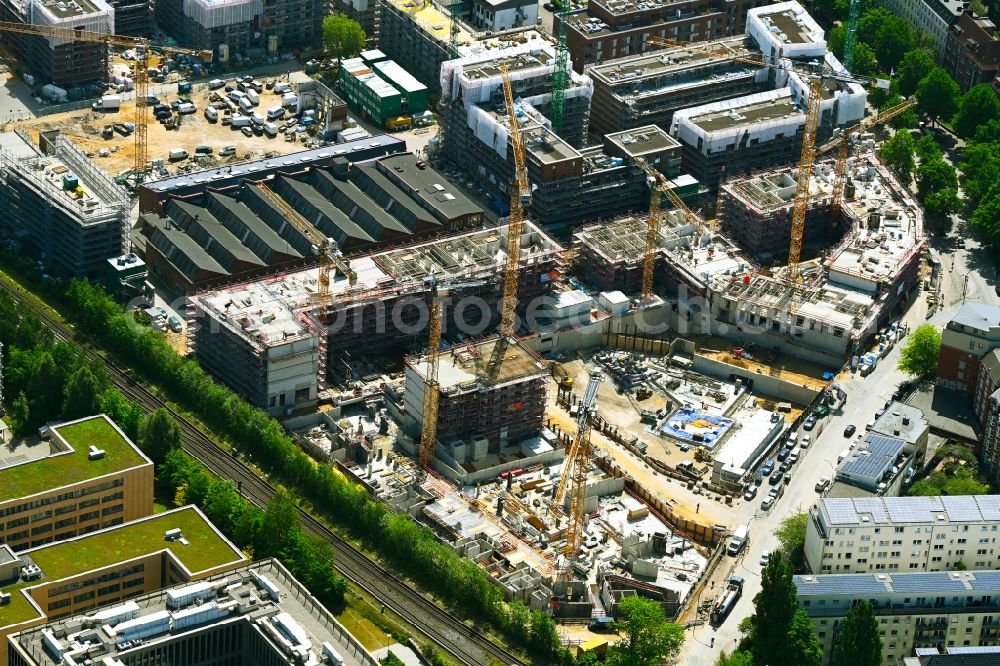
(60, 208)
(272, 342)
(380, 89)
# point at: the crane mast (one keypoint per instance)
(808, 156)
(432, 389)
(520, 199)
(560, 73)
(579, 463)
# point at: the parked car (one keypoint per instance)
(750, 493)
(850, 430)
(783, 453)
(764, 559)
(775, 492)
(767, 468)
(767, 504)
(175, 323)
(810, 423)
(249, 132)
(227, 150)
(822, 484)
(784, 466)
(804, 442)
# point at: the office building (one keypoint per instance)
(60, 207)
(246, 28)
(854, 535)
(611, 29)
(108, 567)
(973, 332)
(84, 476)
(64, 63)
(972, 53)
(255, 614)
(913, 610)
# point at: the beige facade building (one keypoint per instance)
(86, 475)
(107, 567)
(913, 610)
(925, 534)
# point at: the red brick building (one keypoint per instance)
(972, 53)
(972, 333)
(616, 28)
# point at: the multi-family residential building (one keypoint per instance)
(981, 655)
(913, 610)
(85, 475)
(973, 332)
(972, 53)
(610, 29)
(108, 567)
(255, 614)
(848, 535)
(497, 15)
(932, 17)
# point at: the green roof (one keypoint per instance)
(66, 468)
(206, 549)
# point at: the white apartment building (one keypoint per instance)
(862, 534)
(933, 17)
(913, 610)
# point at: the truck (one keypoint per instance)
(724, 605)
(107, 103)
(739, 540)
(183, 87)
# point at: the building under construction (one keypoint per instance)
(570, 184)
(477, 417)
(272, 342)
(62, 62)
(59, 207)
(739, 135)
(647, 89)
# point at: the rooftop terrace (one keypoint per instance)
(642, 140)
(433, 20)
(201, 548)
(68, 461)
(750, 113)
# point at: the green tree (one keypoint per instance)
(127, 414)
(937, 95)
(803, 643)
(82, 395)
(919, 355)
(976, 108)
(774, 611)
(647, 638)
(791, 535)
(927, 149)
(391, 660)
(280, 529)
(871, 22)
(159, 434)
(858, 643)
(46, 391)
(20, 414)
(737, 658)
(934, 176)
(906, 120)
(916, 64)
(342, 36)
(865, 60)
(943, 203)
(897, 153)
(985, 219)
(893, 40)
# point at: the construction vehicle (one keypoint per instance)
(144, 59)
(520, 199)
(577, 464)
(727, 600)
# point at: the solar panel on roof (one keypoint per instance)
(986, 581)
(873, 505)
(840, 584)
(962, 509)
(927, 582)
(989, 506)
(841, 511)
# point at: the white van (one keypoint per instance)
(289, 99)
(253, 96)
(215, 84)
(282, 88)
(805, 442)
(276, 113)
(257, 118)
(793, 439)
(246, 104)
(240, 121)
(177, 154)
(236, 95)
(270, 129)
(211, 114)
(186, 107)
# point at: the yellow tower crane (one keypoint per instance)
(577, 464)
(432, 389)
(520, 199)
(143, 60)
(806, 159)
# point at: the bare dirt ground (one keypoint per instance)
(784, 366)
(84, 127)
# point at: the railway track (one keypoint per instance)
(446, 630)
